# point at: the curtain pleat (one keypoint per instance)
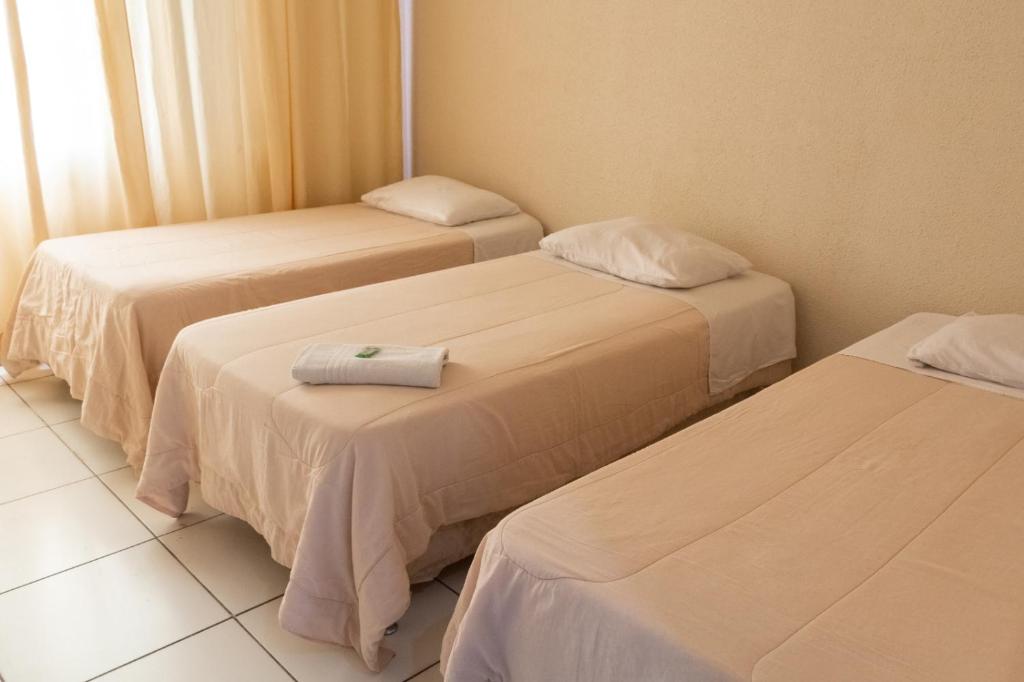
(336, 79)
(21, 205)
(124, 113)
(119, 71)
(29, 175)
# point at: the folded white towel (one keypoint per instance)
(347, 363)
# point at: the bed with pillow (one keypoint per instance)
(103, 309)
(554, 370)
(860, 520)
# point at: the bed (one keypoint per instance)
(103, 309)
(860, 520)
(554, 371)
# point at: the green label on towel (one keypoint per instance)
(368, 352)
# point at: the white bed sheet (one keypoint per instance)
(751, 321)
(500, 237)
(890, 347)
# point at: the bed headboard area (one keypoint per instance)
(872, 154)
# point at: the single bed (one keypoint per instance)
(861, 520)
(103, 309)
(554, 371)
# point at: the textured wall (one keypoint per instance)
(872, 153)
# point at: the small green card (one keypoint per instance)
(368, 352)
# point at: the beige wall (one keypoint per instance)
(871, 153)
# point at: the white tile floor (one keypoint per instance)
(95, 585)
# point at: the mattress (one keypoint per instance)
(857, 521)
(553, 373)
(103, 309)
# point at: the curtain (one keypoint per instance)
(125, 113)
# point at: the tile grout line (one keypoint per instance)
(71, 568)
(154, 536)
(34, 411)
(265, 649)
(417, 674)
(457, 594)
(262, 603)
(161, 648)
(66, 421)
(50, 490)
(97, 474)
(49, 426)
(190, 636)
(22, 433)
(448, 587)
(232, 615)
(191, 525)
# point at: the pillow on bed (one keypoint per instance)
(988, 347)
(440, 200)
(647, 252)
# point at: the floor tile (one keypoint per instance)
(96, 617)
(417, 644)
(231, 559)
(99, 454)
(431, 674)
(454, 576)
(123, 483)
(224, 652)
(56, 530)
(28, 375)
(35, 461)
(50, 398)
(15, 415)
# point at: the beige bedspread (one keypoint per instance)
(552, 374)
(854, 522)
(102, 310)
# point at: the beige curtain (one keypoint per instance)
(123, 113)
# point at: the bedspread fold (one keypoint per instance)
(552, 374)
(103, 309)
(854, 522)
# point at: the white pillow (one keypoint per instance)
(988, 347)
(647, 252)
(440, 200)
